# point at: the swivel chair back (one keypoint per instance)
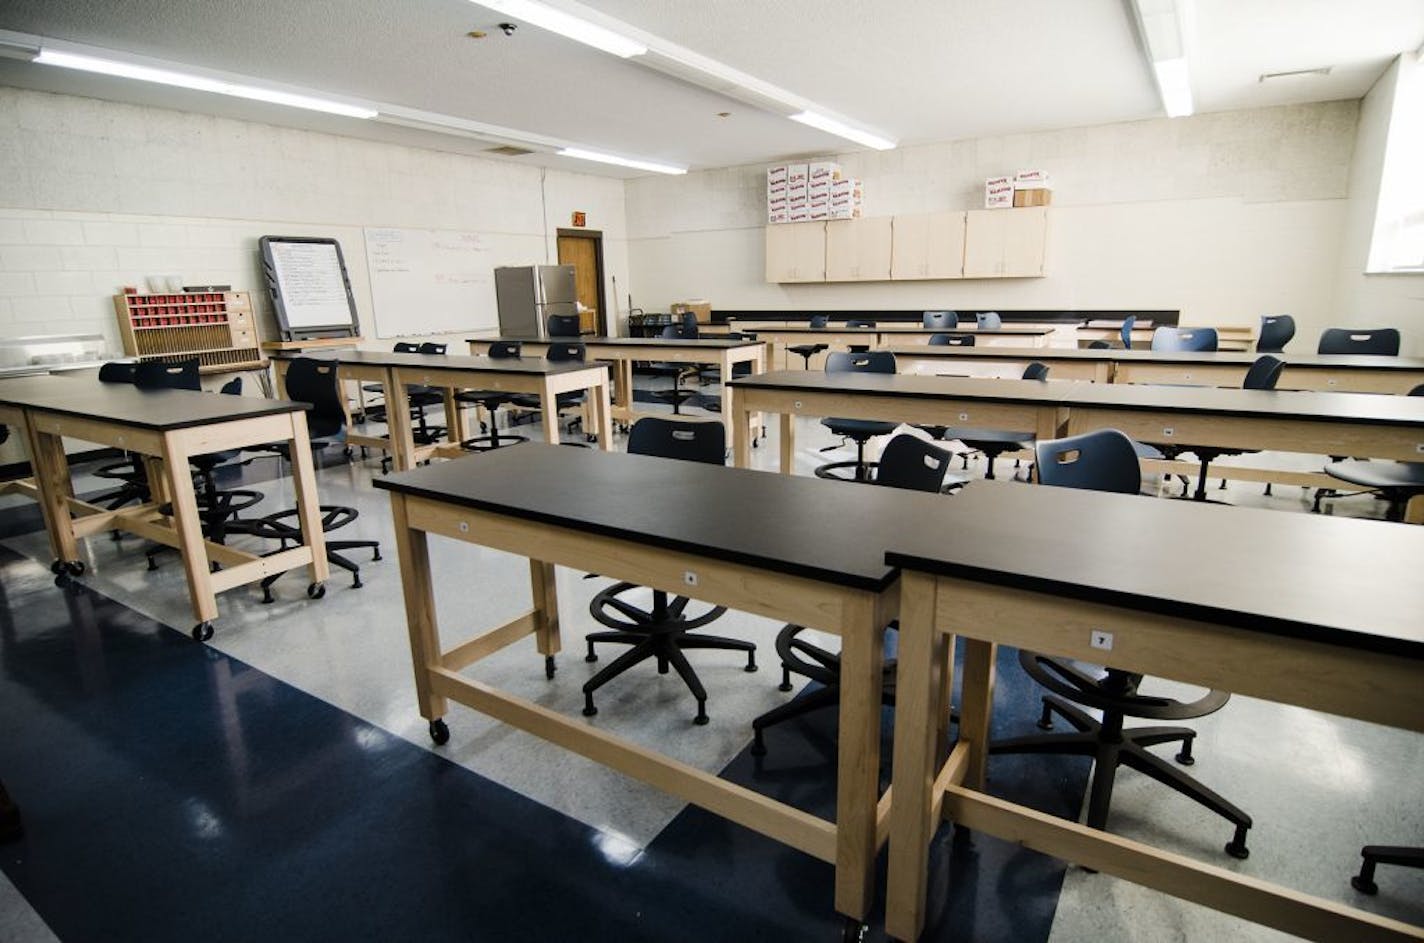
(988, 320)
(1105, 460)
(819, 321)
(859, 322)
(951, 340)
(1099, 345)
(131, 478)
(1383, 341)
(492, 400)
(1125, 332)
(677, 371)
(173, 375)
(908, 462)
(1276, 331)
(558, 352)
(662, 632)
(940, 319)
(859, 431)
(1184, 339)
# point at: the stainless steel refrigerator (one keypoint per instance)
(528, 294)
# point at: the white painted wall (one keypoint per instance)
(1376, 300)
(95, 195)
(1223, 216)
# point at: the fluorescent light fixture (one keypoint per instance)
(840, 129)
(581, 154)
(143, 73)
(566, 24)
(1175, 87)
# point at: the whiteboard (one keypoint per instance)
(307, 280)
(428, 281)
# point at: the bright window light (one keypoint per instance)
(199, 83)
(581, 154)
(557, 21)
(1175, 86)
(839, 129)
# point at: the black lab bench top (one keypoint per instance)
(1380, 409)
(156, 410)
(831, 532)
(695, 343)
(1343, 582)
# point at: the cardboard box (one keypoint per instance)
(823, 172)
(1032, 180)
(851, 211)
(702, 309)
(777, 216)
(998, 193)
(776, 175)
(1035, 197)
(846, 186)
(798, 214)
(797, 175)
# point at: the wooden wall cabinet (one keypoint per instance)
(929, 245)
(858, 250)
(1006, 243)
(796, 252)
(217, 327)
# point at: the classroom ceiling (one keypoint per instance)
(918, 71)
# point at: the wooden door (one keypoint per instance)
(584, 252)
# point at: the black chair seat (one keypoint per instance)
(1379, 475)
(977, 437)
(853, 428)
(807, 351)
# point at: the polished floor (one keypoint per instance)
(279, 784)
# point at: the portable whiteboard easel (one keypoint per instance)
(311, 294)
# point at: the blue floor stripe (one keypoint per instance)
(172, 793)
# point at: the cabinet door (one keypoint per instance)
(1025, 241)
(909, 247)
(858, 249)
(944, 245)
(796, 252)
(984, 235)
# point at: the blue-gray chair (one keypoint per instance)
(1184, 339)
(1380, 341)
(859, 431)
(988, 320)
(1276, 332)
(940, 319)
(665, 630)
(1104, 460)
(1395, 482)
(1125, 332)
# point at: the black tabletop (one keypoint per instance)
(1365, 408)
(1207, 358)
(1333, 580)
(909, 385)
(158, 410)
(708, 343)
(831, 532)
(524, 365)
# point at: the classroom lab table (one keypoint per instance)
(452, 373)
(749, 541)
(166, 428)
(1364, 425)
(1317, 612)
(1318, 372)
(622, 352)
(1034, 407)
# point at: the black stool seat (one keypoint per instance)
(491, 400)
(807, 351)
(1110, 744)
(992, 442)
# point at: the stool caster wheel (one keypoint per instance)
(1185, 756)
(701, 719)
(202, 631)
(439, 732)
(57, 567)
(152, 564)
(1236, 848)
(588, 709)
(758, 747)
(853, 931)
(1364, 885)
(316, 590)
(549, 667)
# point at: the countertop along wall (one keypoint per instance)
(95, 195)
(1224, 216)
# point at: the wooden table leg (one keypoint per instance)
(414, 554)
(398, 427)
(741, 439)
(858, 760)
(549, 407)
(788, 443)
(1414, 510)
(51, 468)
(189, 528)
(454, 418)
(546, 612)
(308, 503)
(922, 656)
(976, 703)
(601, 398)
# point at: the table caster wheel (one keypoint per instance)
(316, 590)
(202, 631)
(549, 667)
(57, 567)
(853, 931)
(74, 567)
(590, 438)
(439, 732)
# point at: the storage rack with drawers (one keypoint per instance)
(217, 327)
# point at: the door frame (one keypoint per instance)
(596, 236)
